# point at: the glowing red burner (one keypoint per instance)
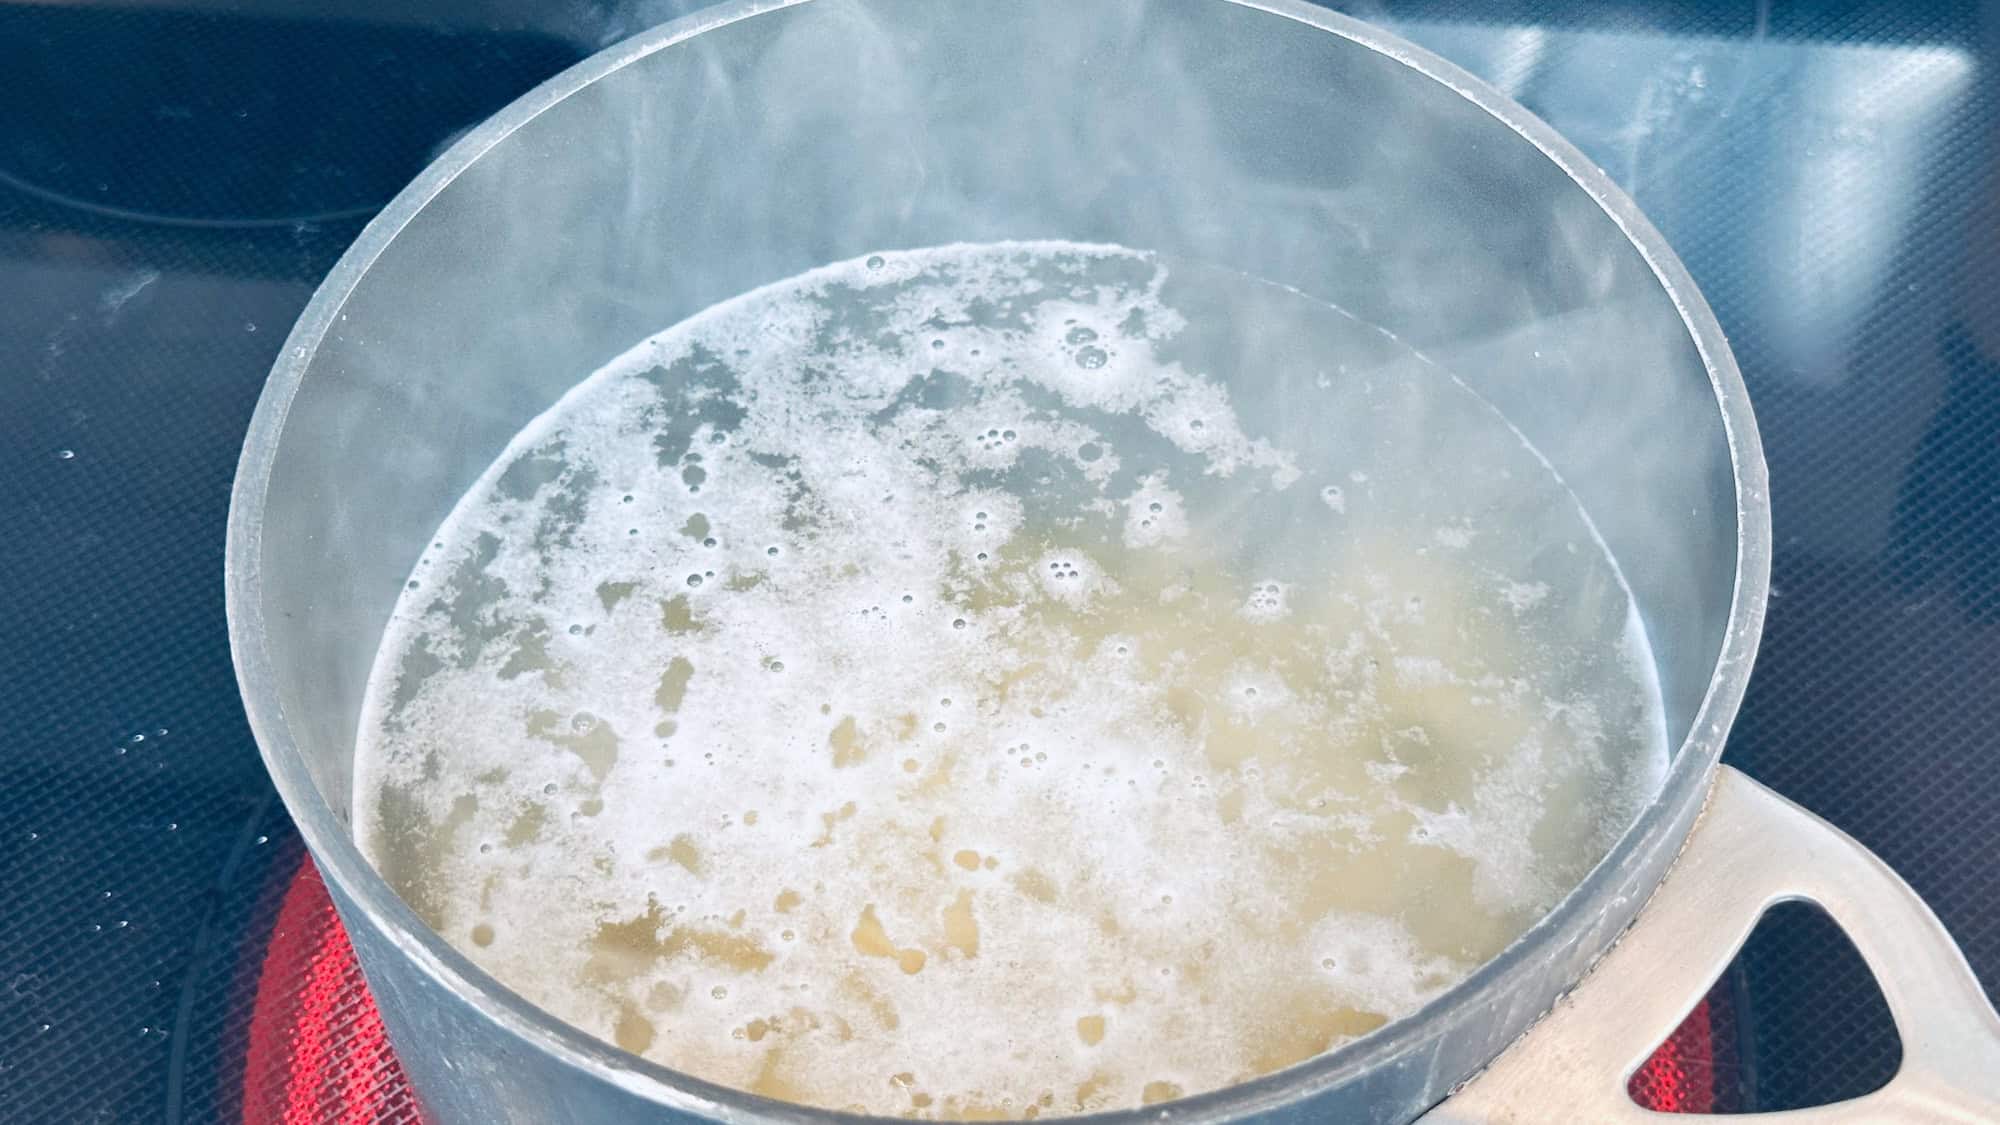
(318, 1054)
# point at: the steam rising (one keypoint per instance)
(813, 133)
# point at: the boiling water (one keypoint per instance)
(1004, 680)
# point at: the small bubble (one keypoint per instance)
(945, 702)
(771, 551)
(710, 542)
(958, 622)
(631, 531)
(979, 515)
(718, 438)
(1326, 963)
(1080, 335)
(875, 262)
(626, 499)
(262, 840)
(576, 630)
(777, 665)
(937, 345)
(249, 327)
(1122, 650)
(786, 935)
(486, 849)
(141, 737)
(1089, 451)
(1154, 506)
(173, 826)
(1008, 435)
(719, 992)
(410, 585)
(694, 579)
(1091, 358)
(160, 733)
(1195, 425)
(981, 556)
(549, 790)
(907, 599)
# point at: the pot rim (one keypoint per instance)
(370, 899)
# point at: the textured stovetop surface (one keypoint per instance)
(174, 179)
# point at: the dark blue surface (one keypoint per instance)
(174, 181)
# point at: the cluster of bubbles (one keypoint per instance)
(960, 583)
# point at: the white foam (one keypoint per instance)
(814, 597)
(1524, 596)
(1154, 514)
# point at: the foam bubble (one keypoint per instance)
(1155, 515)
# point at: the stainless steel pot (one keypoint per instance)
(764, 137)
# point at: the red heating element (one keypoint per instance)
(318, 1054)
(317, 1051)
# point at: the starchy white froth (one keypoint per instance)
(863, 693)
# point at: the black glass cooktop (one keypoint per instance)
(176, 175)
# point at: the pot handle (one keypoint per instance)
(1751, 850)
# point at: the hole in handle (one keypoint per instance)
(1796, 1020)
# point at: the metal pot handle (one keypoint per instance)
(1751, 850)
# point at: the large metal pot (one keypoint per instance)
(765, 137)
